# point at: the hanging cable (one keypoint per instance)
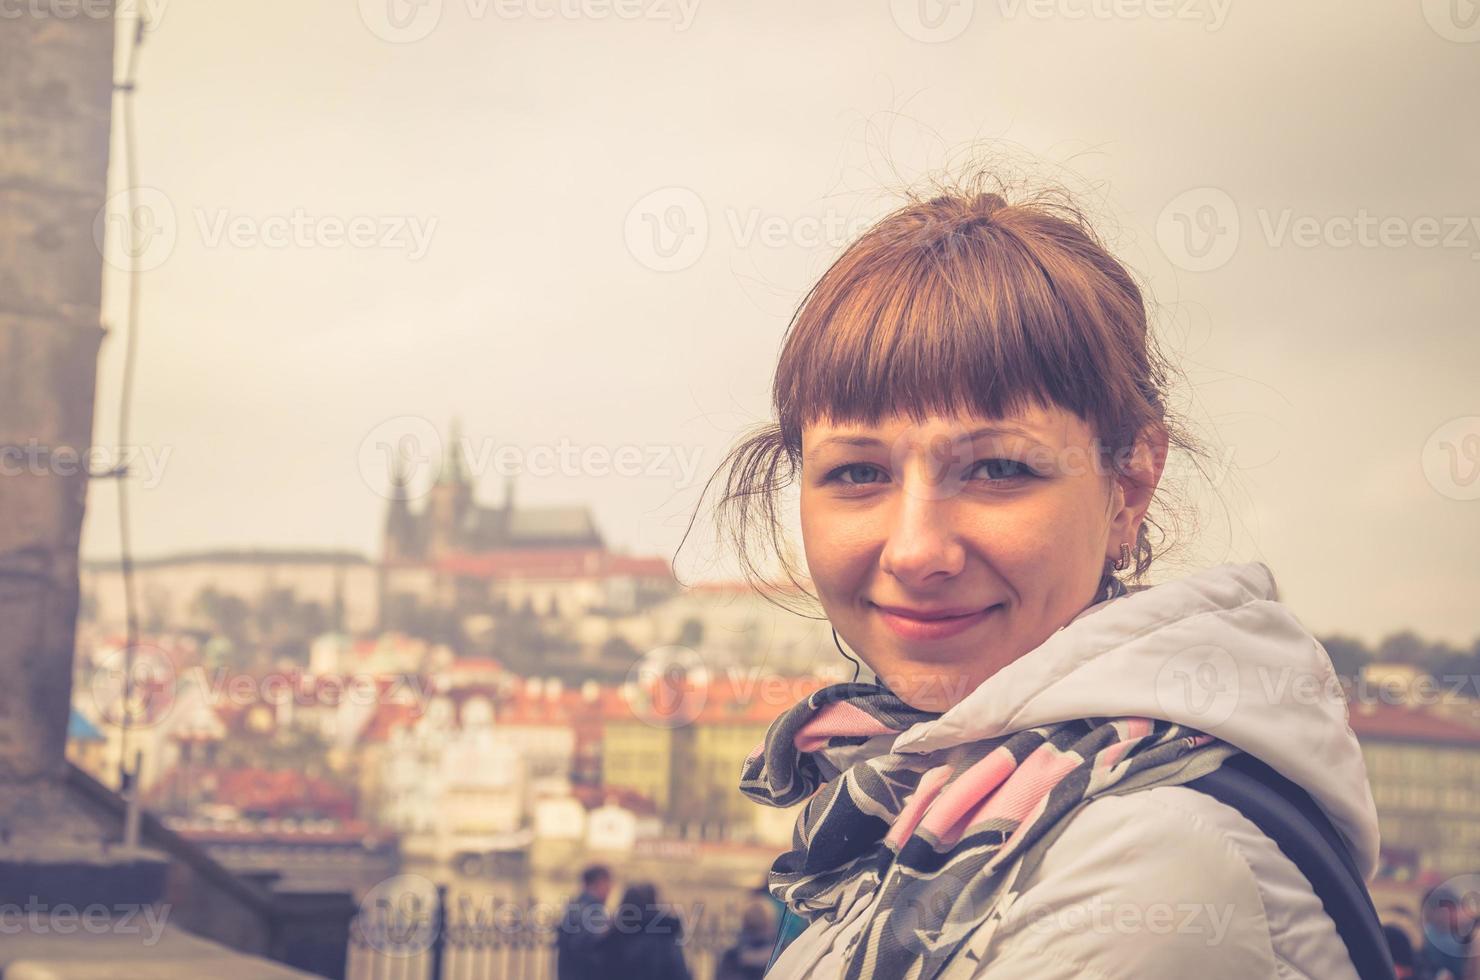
(131, 345)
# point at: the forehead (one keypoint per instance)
(1051, 426)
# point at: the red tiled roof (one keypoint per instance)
(639, 567)
(274, 791)
(569, 707)
(388, 717)
(1387, 721)
(475, 665)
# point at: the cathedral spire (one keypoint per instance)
(454, 466)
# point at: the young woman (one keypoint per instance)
(976, 417)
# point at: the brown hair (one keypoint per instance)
(960, 303)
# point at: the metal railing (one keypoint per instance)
(425, 938)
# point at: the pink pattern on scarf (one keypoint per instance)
(997, 788)
(834, 720)
(916, 806)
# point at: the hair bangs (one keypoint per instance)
(958, 326)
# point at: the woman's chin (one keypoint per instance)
(934, 685)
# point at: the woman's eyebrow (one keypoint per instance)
(870, 441)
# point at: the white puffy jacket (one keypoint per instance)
(1163, 882)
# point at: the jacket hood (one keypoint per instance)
(1216, 651)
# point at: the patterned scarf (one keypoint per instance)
(929, 830)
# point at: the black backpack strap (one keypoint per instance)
(1286, 814)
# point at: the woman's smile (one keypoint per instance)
(920, 624)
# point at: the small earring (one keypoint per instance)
(1124, 561)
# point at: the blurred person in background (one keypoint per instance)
(747, 959)
(1448, 950)
(1402, 949)
(585, 929)
(646, 940)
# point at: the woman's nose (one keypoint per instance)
(922, 545)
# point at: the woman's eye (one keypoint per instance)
(853, 469)
(1005, 469)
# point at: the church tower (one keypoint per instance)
(450, 499)
(399, 541)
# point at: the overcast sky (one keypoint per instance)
(589, 231)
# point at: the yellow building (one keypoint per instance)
(691, 771)
(1425, 775)
(638, 756)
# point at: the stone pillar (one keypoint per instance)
(56, 92)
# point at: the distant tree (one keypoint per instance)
(228, 615)
(1403, 647)
(1348, 655)
(618, 650)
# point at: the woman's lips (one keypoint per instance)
(932, 629)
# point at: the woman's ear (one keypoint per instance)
(1136, 485)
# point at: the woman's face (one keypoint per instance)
(944, 550)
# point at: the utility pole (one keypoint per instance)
(56, 93)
